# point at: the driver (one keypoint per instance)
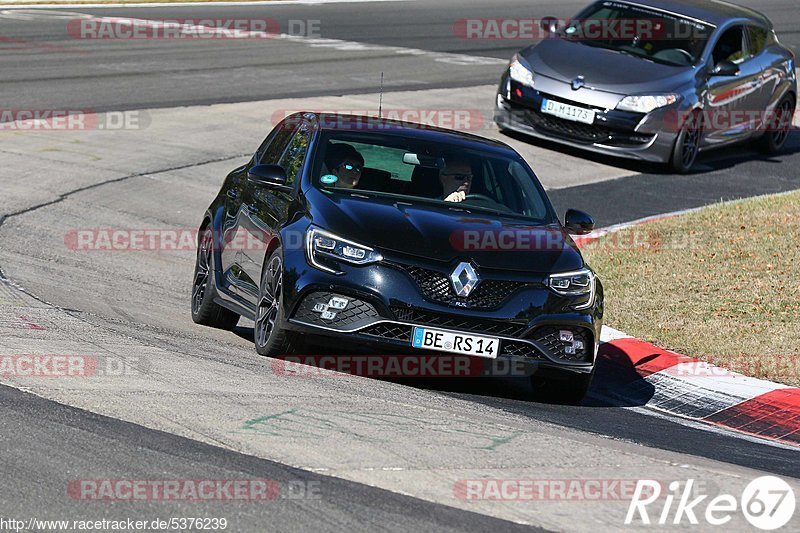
(345, 163)
(456, 179)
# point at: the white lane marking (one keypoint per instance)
(25, 4)
(314, 42)
(608, 334)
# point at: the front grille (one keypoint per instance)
(577, 131)
(399, 332)
(520, 349)
(357, 312)
(589, 133)
(502, 328)
(550, 338)
(435, 286)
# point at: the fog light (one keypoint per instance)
(337, 303)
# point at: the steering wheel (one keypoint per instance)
(672, 54)
(480, 197)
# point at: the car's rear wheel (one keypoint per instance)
(562, 387)
(270, 338)
(687, 145)
(774, 138)
(204, 310)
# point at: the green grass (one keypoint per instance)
(721, 284)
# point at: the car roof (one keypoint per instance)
(384, 126)
(715, 12)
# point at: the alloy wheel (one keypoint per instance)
(269, 302)
(691, 142)
(202, 272)
(782, 123)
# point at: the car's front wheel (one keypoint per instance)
(270, 338)
(564, 387)
(687, 145)
(204, 310)
(774, 138)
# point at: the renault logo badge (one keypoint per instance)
(577, 83)
(464, 279)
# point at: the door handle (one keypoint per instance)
(232, 194)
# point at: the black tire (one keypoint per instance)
(204, 310)
(270, 338)
(774, 139)
(563, 387)
(687, 145)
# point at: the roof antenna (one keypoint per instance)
(380, 99)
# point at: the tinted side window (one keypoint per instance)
(758, 39)
(275, 148)
(730, 46)
(292, 160)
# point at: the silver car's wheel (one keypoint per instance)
(778, 127)
(687, 145)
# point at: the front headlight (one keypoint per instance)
(519, 72)
(646, 102)
(324, 249)
(577, 283)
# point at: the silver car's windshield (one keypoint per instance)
(643, 32)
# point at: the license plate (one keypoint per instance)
(448, 341)
(568, 112)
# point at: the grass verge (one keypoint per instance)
(721, 284)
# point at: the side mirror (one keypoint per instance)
(577, 222)
(550, 24)
(725, 68)
(269, 175)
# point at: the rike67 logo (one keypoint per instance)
(767, 503)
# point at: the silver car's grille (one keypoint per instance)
(576, 131)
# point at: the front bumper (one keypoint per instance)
(616, 133)
(385, 303)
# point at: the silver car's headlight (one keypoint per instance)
(519, 72)
(578, 283)
(644, 103)
(323, 246)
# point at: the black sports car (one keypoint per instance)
(396, 236)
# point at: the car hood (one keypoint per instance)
(443, 234)
(603, 69)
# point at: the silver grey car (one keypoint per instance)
(656, 81)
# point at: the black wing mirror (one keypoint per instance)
(550, 24)
(269, 175)
(577, 222)
(725, 68)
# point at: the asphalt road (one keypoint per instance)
(37, 468)
(182, 416)
(42, 63)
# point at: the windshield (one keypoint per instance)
(424, 172)
(643, 32)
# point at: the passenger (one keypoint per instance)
(456, 179)
(344, 162)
